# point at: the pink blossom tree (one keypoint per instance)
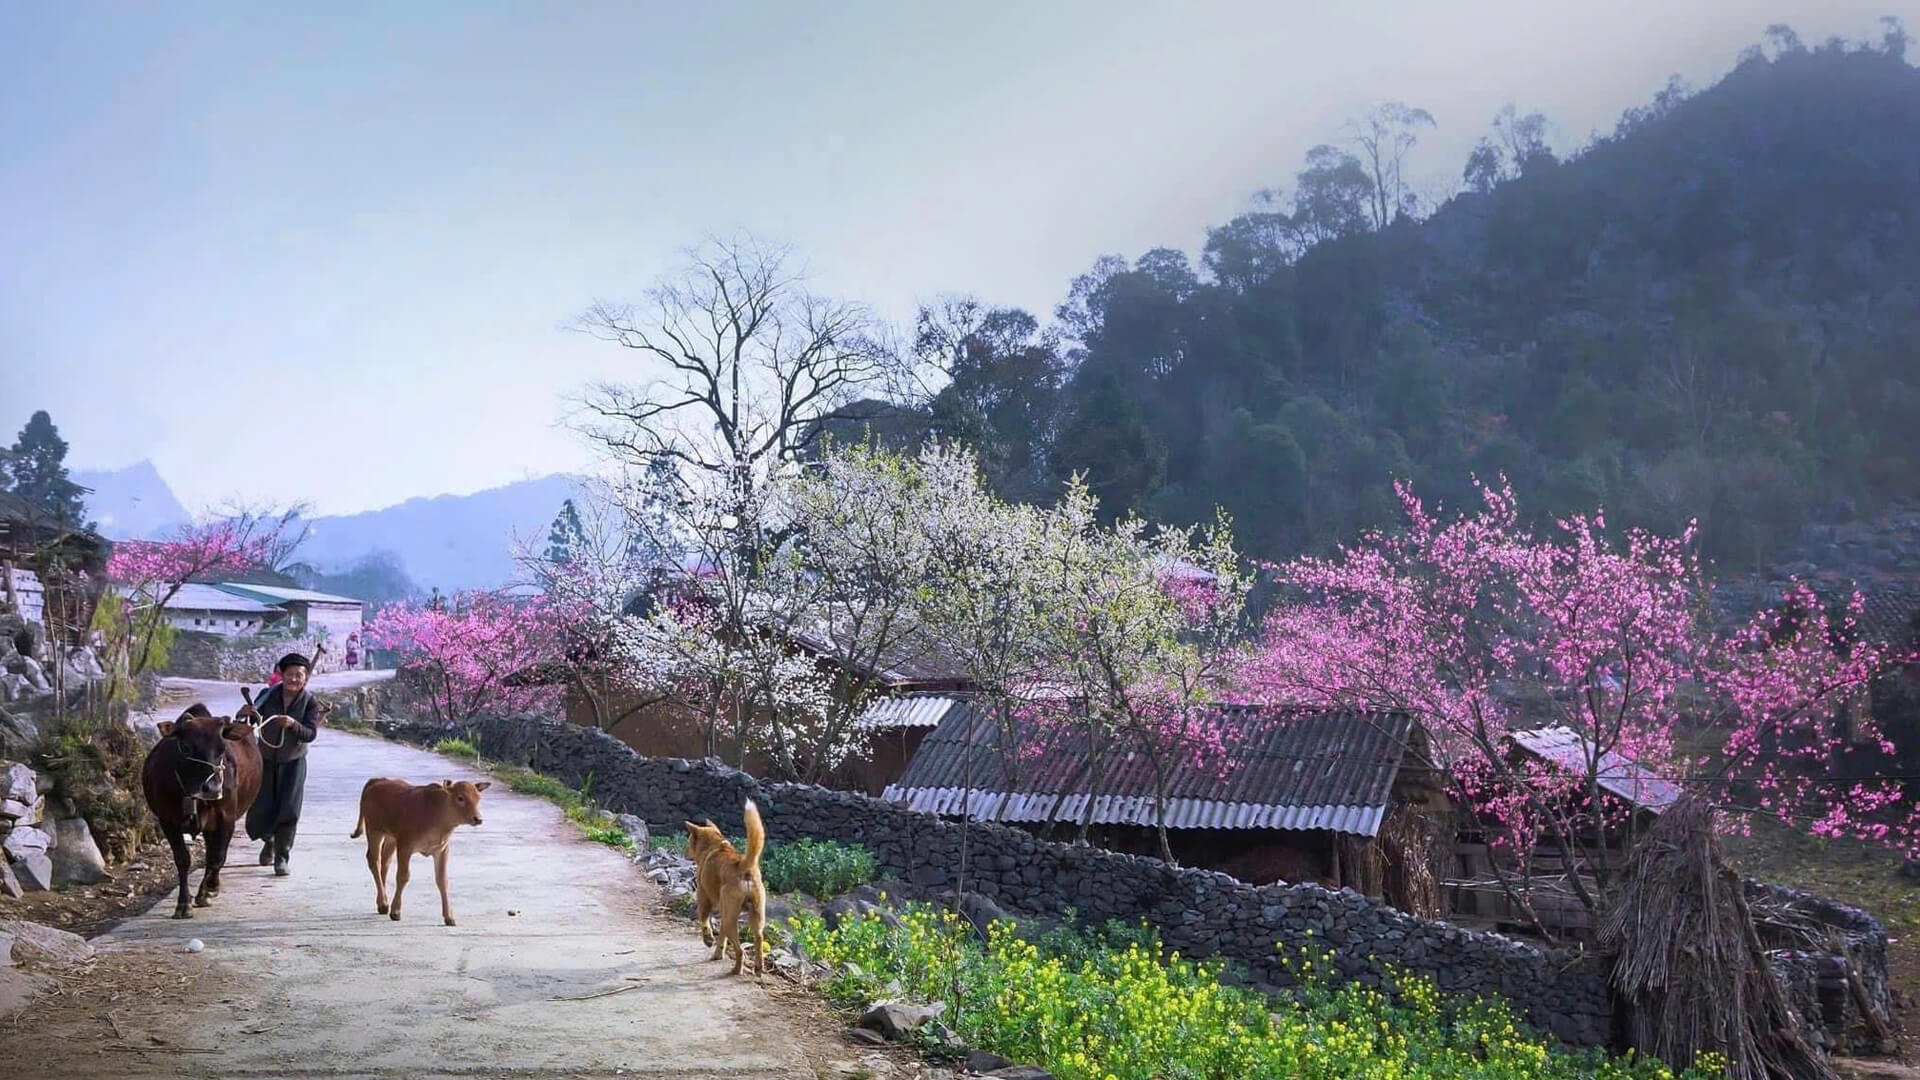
(466, 652)
(153, 572)
(1479, 629)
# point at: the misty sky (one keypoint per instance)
(326, 251)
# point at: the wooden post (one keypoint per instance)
(6, 575)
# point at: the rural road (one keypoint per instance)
(562, 964)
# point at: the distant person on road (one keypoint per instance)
(283, 754)
(353, 651)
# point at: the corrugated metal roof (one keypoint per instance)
(192, 597)
(1571, 751)
(273, 594)
(908, 711)
(1284, 769)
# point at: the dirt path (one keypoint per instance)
(561, 965)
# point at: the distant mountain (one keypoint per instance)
(133, 503)
(451, 542)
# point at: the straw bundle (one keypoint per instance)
(1689, 971)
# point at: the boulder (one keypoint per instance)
(23, 813)
(9, 883)
(24, 840)
(1022, 1072)
(633, 827)
(42, 946)
(18, 783)
(982, 1062)
(896, 1020)
(76, 858)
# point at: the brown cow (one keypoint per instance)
(413, 819)
(199, 780)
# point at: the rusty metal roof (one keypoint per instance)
(909, 711)
(1571, 751)
(1283, 769)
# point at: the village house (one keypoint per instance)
(1346, 799)
(231, 613)
(52, 574)
(1633, 796)
(891, 731)
(210, 609)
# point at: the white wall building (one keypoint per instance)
(211, 609)
(301, 615)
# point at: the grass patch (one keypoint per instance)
(1100, 1012)
(457, 748)
(544, 787)
(575, 805)
(819, 868)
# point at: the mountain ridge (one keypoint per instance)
(447, 541)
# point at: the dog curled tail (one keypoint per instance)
(756, 835)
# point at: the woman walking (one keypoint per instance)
(283, 753)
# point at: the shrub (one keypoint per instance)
(95, 760)
(819, 868)
(1094, 1011)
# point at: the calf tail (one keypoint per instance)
(756, 834)
(360, 826)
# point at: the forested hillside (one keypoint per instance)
(1712, 312)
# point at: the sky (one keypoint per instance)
(329, 252)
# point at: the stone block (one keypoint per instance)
(76, 858)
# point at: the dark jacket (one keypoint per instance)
(293, 741)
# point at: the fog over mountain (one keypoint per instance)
(450, 542)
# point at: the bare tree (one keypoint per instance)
(1385, 136)
(746, 364)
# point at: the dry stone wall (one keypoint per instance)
(1199, 912)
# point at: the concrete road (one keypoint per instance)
(561, 964)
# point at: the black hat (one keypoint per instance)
(293, 659)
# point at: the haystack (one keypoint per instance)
(1689, 970)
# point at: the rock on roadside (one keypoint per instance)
(26, 846)
(76, 858)
(896, 1020)
(33, 945)
(26, 945)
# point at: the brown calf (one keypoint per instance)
(413, 819)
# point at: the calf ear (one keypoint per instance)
(483, 785)
(446, 783)
(166, 729)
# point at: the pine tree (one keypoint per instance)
(566, 536)
(36, 472)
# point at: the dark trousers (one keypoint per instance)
(276, 810)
